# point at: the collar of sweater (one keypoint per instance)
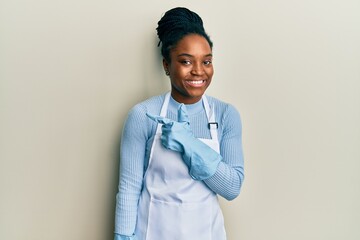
(191, 108)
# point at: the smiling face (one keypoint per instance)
(190, 68)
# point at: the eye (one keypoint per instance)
(207, 62)
(186, 62)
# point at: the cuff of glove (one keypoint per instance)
(200, 169)
(123, 237)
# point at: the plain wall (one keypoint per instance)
(71, 69)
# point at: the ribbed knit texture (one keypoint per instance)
(137, 138)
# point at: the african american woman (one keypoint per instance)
(179, 150)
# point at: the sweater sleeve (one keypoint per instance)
(132, 157)
(229, 175)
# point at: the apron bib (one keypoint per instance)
(172, 205)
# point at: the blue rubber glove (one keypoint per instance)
(122, 237)
(201, 159)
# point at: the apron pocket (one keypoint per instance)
(179, 221)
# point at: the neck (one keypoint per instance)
(185, 99)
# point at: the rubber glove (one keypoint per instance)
(122, 237)
(201, 159)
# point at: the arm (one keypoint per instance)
(132, 157)
(229, 175)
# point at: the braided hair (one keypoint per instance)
(176, 24)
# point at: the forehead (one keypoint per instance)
(192, 44)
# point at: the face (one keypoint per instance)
(190, 68)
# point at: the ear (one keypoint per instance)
(165, 65)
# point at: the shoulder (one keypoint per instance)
(227, 116)
(223, 108)
(137, 123)
(151, 105)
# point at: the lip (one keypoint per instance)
(196, 83)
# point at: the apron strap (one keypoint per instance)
(165, 105)
(210, 113)
(163, 110)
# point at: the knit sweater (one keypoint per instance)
(137, 138)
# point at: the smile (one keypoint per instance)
(198, 83)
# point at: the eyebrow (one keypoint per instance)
(189, 55)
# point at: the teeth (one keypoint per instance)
(197, 82)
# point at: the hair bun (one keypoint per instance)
(176, 19)
(175, 24)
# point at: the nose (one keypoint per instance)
(198, 69)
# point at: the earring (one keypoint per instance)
(167, 72)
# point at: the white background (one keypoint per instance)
(71, 69)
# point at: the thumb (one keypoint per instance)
(182, 114)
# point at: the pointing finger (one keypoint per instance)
(159, 119)
(182, 114)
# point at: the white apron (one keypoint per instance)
(172, 205)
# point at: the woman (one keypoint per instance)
(181, 149)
